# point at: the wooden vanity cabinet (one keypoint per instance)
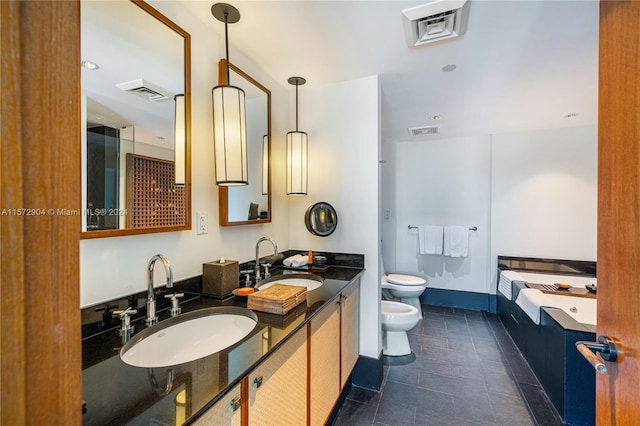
(349, 332)
(324, 358)
(226, 412)
(278, 386)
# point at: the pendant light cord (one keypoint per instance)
(226, 43)
(296, 106)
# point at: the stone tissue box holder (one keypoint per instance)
(219, 279)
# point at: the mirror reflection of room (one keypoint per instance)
(132, 85)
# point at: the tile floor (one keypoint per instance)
(467, 372)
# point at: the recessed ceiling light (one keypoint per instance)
(449, 68)
(436, 117)
(89, 65)
(571, 115)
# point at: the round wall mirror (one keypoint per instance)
(321, 219)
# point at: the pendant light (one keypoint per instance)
(179, 142)
(229, 120)
(297, 175)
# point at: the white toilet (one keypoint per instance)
(397, 319)
(404, 288)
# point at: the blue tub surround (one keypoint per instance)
(117, 393)
(549, 347)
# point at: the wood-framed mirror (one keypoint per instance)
(136, 120)
(244, 205)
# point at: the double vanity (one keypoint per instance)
(258, 368)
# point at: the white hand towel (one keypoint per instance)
(506, 277)
(295, 261)
(300, 261)
(456, 241)
(531, 300)
(430, 239)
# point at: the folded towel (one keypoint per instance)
(430, 239)
(531, 300)
(456, 241)
(504, 285)
(296, 261)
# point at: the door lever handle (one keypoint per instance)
(605, 346)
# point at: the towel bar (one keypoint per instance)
(473, 228)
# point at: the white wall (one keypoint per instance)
(114, 267)
(544, 193)
(342, 121)
(444, 182)
(531, 194)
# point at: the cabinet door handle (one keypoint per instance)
(257, 381)
(235, 403)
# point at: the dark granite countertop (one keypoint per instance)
(119, 394)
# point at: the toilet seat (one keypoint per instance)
(397, 319)
(398, 316)
(405, 279)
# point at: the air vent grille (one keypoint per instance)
(424, 130)
(150, 94)
(145, 89)
(435, 21)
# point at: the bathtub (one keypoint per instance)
(582, 309)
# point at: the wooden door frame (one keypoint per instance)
(40, 344)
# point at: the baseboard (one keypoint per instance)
(459, 299)
(368, 373)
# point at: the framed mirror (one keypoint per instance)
(136, 115)
(321, 219)
(242, 205)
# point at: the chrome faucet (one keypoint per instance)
(152, 318)
(275, 252)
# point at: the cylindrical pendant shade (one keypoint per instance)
(179, 141)
(229, 136)
(265, 165)
(297, 163)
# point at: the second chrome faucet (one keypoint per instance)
(275, 253)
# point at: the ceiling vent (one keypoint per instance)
(435, 21)
(145, 90)
(424, 130)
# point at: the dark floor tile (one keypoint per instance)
(393, 413)
(365, 396)
(414, 396)
(425, 340)
(354, 413)
(520, 370)
(443, 310)
(469, 372)
(543, 411)
(481, 342)
(470, 314)
(459, 357)
(406, 374)
(434, 418)
(513, 415)
(457, 326)
(489, 354)
(474, 409)
(460, 345)
(479, 330)
(454, 386)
